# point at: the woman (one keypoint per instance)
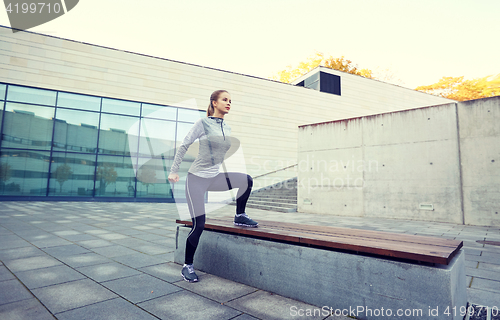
(203, 175)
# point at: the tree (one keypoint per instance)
(62, 174)
(319, 59)
(457, 88)
(5, 172)
(147, 175)
(106, 175)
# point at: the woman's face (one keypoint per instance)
(223, 104)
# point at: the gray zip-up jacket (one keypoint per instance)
(213, 134)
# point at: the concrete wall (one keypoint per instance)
(435, 163)
(479, 123)
(265, 113)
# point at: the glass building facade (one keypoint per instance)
(59, 145)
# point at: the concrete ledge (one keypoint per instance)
(338, 280)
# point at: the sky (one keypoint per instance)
(418, 41)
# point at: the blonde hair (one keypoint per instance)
(213, 97)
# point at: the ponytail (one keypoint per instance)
(210, 110)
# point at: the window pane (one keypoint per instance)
(78, 101)
(2, 91)
(31, 95)
(23, 173)
(120, 106)
(159, 112)
(311, 79)
(314, 85)
(152, 177)
(189, 115)
(115, 176)
(157, 138)
(72, 175)
(27, 126)
(76, 131)
(118, 135)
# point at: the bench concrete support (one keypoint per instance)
(349, 283)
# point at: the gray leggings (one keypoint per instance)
(196, 187)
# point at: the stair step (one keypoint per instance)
(273, 200)
(280, 197)
(272, 208)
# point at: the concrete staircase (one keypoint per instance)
(281, 197)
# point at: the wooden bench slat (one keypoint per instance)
(363, 233)
(419, 248)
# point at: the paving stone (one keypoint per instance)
(471, 264)
(31, 263)
(68, 250)
(489, 266)
(47, 243)
(113, 251)
(131, 242)
(186, 305)
(140, 288)
(112, 236)
(131, 232)
(107, 271)
(139, 260)
(483, 273)
(38, 278)
(216, 288)
(107, 310)
(483, 298)
(492, 255)
(266, 305)
(32, 235)
(168, 243)
(473, 251)
(66, 233)
(143, 228)
(95, 231)
(71, 295)
(486, 284)
(24, 252)
(488, 259)
(12, 291)
(81, 237)
(149, 237)
(5, 274)
(25, 310)
(12, 242)
(153, 249)
(83, 260)
(91, 244)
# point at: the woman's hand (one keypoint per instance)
(173, 177)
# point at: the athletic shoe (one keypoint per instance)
(244, 221)
(188, 273)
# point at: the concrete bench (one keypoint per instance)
(360, 273)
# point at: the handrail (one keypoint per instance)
(265, 174)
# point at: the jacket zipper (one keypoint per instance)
(222, 131)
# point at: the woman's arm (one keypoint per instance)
(195, 133)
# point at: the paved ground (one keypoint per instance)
(83, 260)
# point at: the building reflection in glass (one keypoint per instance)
(60, 144)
